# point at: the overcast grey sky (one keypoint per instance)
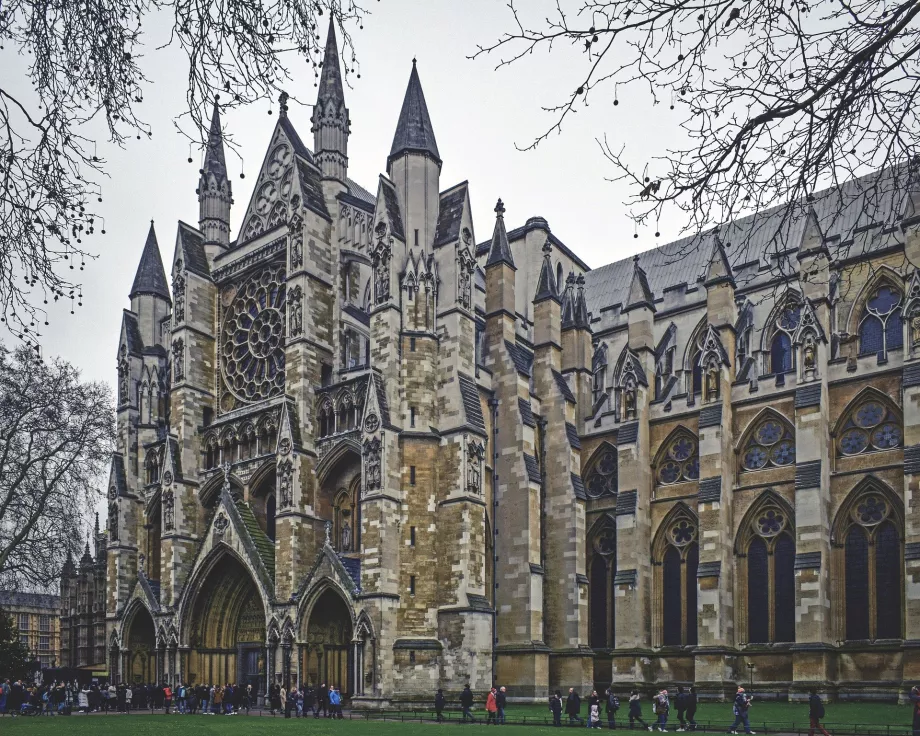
(478, 114)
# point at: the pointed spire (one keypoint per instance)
(96, 527)
(640, 293)
(214, 161)
(582, 317)
(414, 133)
(719, 270)
(68, 568)
(546, 282)
(330, 82)
(500, 250)
(568, 302)
(150, 277)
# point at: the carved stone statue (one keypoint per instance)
(915, 330)
(712, 382)
(629, 402)
(808, 356)
(346, 537)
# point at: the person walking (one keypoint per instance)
(691, 709)
(322, 699)
(439, 702)
(129, 696)
(501, 699)
(594, 714)
(491, 707)
(740, 707)
(573, 707)
(635, 710)
(662, 709)
(555, 707)
(914, 698)
(466, 702)
(612, 705)
(167, 698)
(816, 713)
(680, 703)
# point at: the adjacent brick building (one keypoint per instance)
(36, 617)
(357, 447)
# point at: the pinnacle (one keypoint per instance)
(150, 277)
(330, 83)
(214, 161)
(414, 132)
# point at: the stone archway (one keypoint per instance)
(140, 663)
(227, 628)
(326, 655)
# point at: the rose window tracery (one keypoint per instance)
(871, 426)
(870, 510)
(602, 478)
(682, 533)
(681, 461)
(252, 340)
(770, 522)
(771, 444)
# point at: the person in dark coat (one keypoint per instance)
(501, 699)
(612, 705)
(691, 709)
(816, 713)
(466, 701)
(439, 702)
(555, 707)
(635, 710)
(573, 707)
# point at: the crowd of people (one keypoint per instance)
(60, 698)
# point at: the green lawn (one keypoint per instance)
(845, 718)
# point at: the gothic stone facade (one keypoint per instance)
(357, 447)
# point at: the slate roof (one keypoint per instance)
(330, 82)
(353, 566)
(449, 214)
(391, 202)
(537, 223)
(299, 148)
(360, 193)
(357, 313)
(522, 357)
(311, 189)
(263, 545)
(382, 400)
(533, 469)
(526, 412)
(118, 473)
(191, 244)
(133, 333)
(150, 277)
(214, 161)
(578, 485)
(859, 215)
(564, 387)
(14, 598)
(574, 439)
(471, 403)
(414, 132)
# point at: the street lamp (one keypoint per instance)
(750, 666)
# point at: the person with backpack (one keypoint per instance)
(691, 709)
(611, 706)
(662, 707)
(740, 708)
(635, 710)
(555, 707)
(816, 713)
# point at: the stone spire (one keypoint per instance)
(582, 318)
(150, 278)
(331, 125)
(719, 269)
(640, 293)
(546, 283)
(414, 133)
(568, 302)
(215, 194)
(500, 250)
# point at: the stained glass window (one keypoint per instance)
(781, 353)
(678, 590)
(602, 477)
(681, 461)
(692, 564)
(857, 584)
(784, 589)
(869, 427)
(770, 444)
(671, 598)
(880, 327)
(887, 582)
(599, 596)
(758, 592)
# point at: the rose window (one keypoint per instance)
(771, 444)
(252, 340)
(606, 541)
(770, 523)
(603, 476)
(682, 533)
(870, 510)
(871, 426)
(681, 462)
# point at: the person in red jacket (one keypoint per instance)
(491, 708)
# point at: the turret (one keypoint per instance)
(500, 279)
(214, 192)
(331, 125)
(414, 166)
(150, 293)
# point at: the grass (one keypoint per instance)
(844, 718)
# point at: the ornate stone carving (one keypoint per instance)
(123, 376)
(284, 446)
(168, 509)
(220, 525)
(372, 476)
(178, 349)
(285, 484)
(475, 453)
(371, 423)
(179, 299)
(346, 537)
(328, 528)
(295, 306)
(167, 478)
(381, 261)
(113, 522)
(296, 228)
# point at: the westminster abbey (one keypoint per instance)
(360, 445)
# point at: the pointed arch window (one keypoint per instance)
(601, 478)
(152, 464)
(602, 601)
(679, 460)
(679, 554)
(696, 374)
(870, 426)
(770, 549)
(782, 357)
(873, 562)
(770, 444)
(880, 321)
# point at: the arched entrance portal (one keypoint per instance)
(227, 634)
(140, 641)
(326, 654)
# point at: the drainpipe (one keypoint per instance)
(493, 405)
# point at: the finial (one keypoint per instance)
(580, 280)
(636, 259)
(282, 104)
(413, 61)
(97, 522)
(547, 249)
(500, 208)
(570, 279)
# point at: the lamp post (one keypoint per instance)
(750, 666)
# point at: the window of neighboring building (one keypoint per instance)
(880, 322)
(44, 623)
(24, 640)
(870, 426)
(44, 643)
(24, 622)
(770, 444)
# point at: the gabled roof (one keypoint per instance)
(391, 202)
(414, 133)
(719, 270)
(472, 406)
(190, 243)
(639, 294)
(150, 277)
(450, 214)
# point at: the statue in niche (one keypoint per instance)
(808, 356)
(915, 330)
(346, 537)
(712, 382)
(629, 402)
